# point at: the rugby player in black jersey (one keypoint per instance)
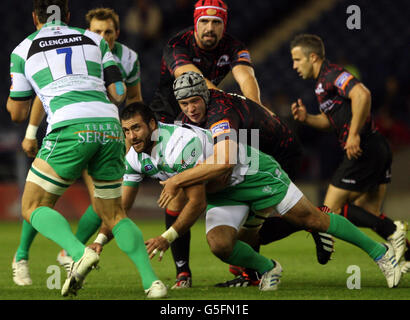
(205, 48)
(358, 187)
(220, 111)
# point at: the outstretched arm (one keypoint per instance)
(245, 77)
(194, 207)
(128, 197)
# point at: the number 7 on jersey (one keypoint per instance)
(69, 53)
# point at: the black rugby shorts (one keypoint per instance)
(371, 169)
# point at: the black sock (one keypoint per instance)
(382, 225)
(180, 247)
(276, 228)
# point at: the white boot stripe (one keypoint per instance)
(329, 242)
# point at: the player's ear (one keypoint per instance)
(67, 19)
(313, 57)
(152, 124)
(35, 19)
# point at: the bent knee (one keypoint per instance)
(220, 247)
(222, 250)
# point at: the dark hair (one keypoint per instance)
(309, 43)
(137, 108)
(103, 14)
(40, 9)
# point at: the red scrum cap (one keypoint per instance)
(210, 9)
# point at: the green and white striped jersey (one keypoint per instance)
(65, 67)
(178, 148)
(128, 62)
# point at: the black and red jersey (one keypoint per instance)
(215, 64)
(332, 91)
(227, 112)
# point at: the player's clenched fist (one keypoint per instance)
(30, 147)
(299, 111)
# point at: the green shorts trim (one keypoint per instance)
(49, 183)
(131, 184)
(53, 181)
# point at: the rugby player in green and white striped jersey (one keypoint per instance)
(105, 22)
(188, 157)
(264, 188)
(75, 76)
(162, 151)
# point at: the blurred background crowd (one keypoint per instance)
(377, 53)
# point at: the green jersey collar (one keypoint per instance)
(54, 23)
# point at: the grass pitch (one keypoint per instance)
(117, 279)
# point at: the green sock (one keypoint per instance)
(55, 227)
(129, 239)
(243, 255)
(27, 236)
(88, 225)
(342, 228)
